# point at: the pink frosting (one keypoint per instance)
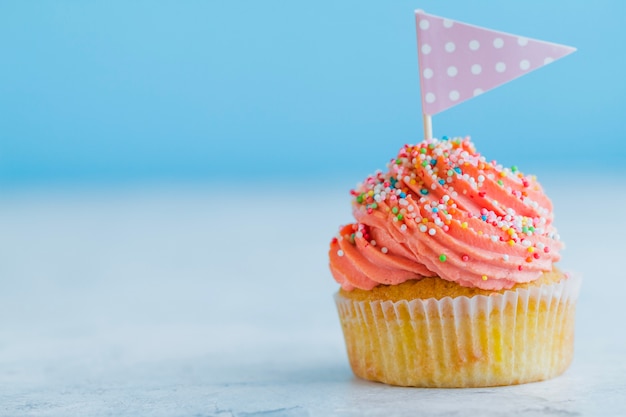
(443, 210)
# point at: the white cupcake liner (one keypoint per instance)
(501, 339)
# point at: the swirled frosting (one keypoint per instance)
(443, 210)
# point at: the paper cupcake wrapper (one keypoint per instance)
(502, 339)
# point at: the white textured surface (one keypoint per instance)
(214, 301)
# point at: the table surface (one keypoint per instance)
(216, 300)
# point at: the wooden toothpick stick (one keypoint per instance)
(428, 127)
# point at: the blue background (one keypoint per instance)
(144, 91)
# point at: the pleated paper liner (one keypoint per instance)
(515, 337)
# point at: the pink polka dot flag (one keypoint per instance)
(460, 61)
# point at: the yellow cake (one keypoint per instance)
(448, 277)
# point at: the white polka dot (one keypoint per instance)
(524, 64)
(500, 67)
(521, 41)
(474, 45)
(452, 71)
(428, 73)
(424, 24)
(476, 69)
(447, 23)
(430, 98)
(498, 43)
(426, 49)
(454, 95)
(547, 60)
(450, 47)
(478, 92)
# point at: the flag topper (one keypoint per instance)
(458, 61)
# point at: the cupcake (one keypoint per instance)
(448, 275)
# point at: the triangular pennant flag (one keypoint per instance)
(459, 61)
